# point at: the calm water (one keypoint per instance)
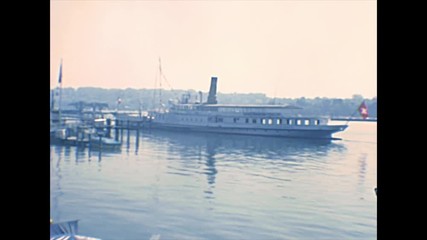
(179, 185)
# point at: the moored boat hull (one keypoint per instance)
(323, 132)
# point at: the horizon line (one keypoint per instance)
(273, 97)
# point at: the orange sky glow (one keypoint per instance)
(280, 48)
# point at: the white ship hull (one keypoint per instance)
(263, 120)
(319, 132)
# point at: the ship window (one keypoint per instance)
(316, 122)
(235, 120)
(298, 121)
(306, 122)
(263, 121)
(290, 122)
(247, 120)
(220, 120)
(254, 120)
(279, 121)
(270, 121)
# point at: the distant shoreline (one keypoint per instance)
(353, 119)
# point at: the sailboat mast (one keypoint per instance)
(52, 105)
(160, 83)
(60, 92)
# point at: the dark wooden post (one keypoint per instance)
(121, 134)
(100, 143)
(108, 127)
(137, 139)
(116, 133)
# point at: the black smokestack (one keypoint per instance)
(212, 91)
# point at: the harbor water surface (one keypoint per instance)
(182, 185)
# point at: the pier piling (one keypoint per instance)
(108, 128)
(116, 134)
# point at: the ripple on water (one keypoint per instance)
(213, 186)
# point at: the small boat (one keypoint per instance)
(101, 139)
(67, 231)
(104, 142)
(83, 136)
(69, 135)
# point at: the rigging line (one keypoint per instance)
(170, 86)
(166, 80)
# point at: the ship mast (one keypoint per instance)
(158, 76)
(161, 77)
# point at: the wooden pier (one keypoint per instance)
(131, 124)
(99, 133)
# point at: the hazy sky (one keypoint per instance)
(280, 48)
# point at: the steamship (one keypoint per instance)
(265, 120)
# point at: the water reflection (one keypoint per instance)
(198, 154)
(127, 141)
(197, 151)
(80, 154)
(136, 142)
(174, 183)
(362, 168)
(189, 145)
(210, 170)
(55, 182)
(99, 156)
(67, 151)
(206, 146)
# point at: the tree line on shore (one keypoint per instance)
(146, 99)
